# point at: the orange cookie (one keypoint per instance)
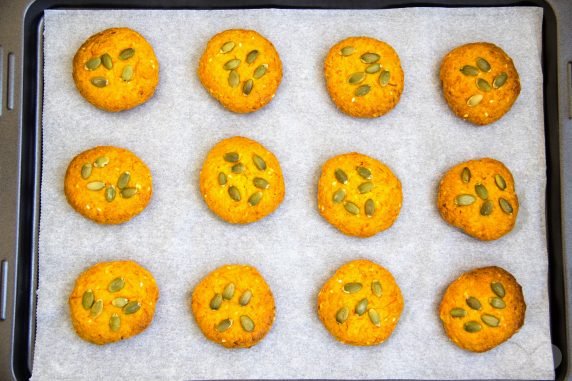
(116, 69)
(480, 82)
(108, 185)
(112, 301)
(361, 304)
(241, 69)
(478, 197)
(241, 181)
(234, 306)
(363, 76)
(358, 194)
(482, 309)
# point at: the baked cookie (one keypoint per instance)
(116, 69)
(241, 181)
(108, 185)
(478, 197)
(358, 194)
(360, 304)
(482, 309)
(234, 306)
(241, 69)
(363, 76)
(112, 301)
(480, 82)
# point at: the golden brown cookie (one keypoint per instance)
(116, 69)
(112, 301)
(478, 197)
(360, 304)
(241, 69)
(241, 181)
(234, 306)
(480, 82)
(363, 76)
(482, 309)
(108, 185)
(358, 194)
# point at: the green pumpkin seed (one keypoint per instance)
(361, 307)
(260, 71)
(465, 199)
(487, 208)
(341, 176)
(472, 326)
(223, 325)
(131, 307)
(128, 192)
(126, 54)
(237, 168)
(339, 196)
(120, 302)
(228, 291)
(233, 78)
(251, 57)
(221, 178)
(255, 199)
(95, 185)
(497, 303)
(376, 288)
(127, 73)
(475, 100)
(458, 312)
(234, 193)
(356, 78)
(483, 85)
(259, 162)
(481, 191)
(352, 288)
(384, 78)
(342, 315)
(351, 208)
(365, 187)
(110, 194)
(490, 320)
(483, 65)
(470, 70)
(261, 183)
(114, 322)
(245, 298)
(227, 47)
(99, 81)
(231, 64)
(101, 162)
(369, 207)
(107, 61)
(474, 303)
(466, 175)
(505, 206)
(86, 171)
(369, 58)
(96, 309)
(123, 180)
(373, 68)
(216, 302)
(93, 63)
(347, 51)
(501, 183)
(246, 323)
(498, 289)
(116, 284)
(364, 172)
(247, 88)
(374, 317)
(500, 80)
(362, 90)
(231, 157)
(87, 299)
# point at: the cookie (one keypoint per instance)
(358, 194)
(360, 304)
(363, 76)
(482, 309)
(480, 82)
(108, 185)
(112, 301)
(241, 181)
(478, 197)
(234, 306)
(241, 69)
(116, 69)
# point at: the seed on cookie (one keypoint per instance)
(246, 323)
(99, 81)
(497, 303)
(245, 298)
(86, 170)
(483, 65)
(353, 287)
(259, 162)
(474, 100)
(465, 199)
(361, 306)
(365, 187)
(486, 208)
(93, 63)
(120, 302)
(126, 54)
(260, 71)
(95, 185)
(128, 192)
(106, 61)
(376, 288)
(231, 64)
(481, 191)
(362, 90)
(233, 78)
(472, 327)
(96, 309)
(490, 320)
(351, 208)
(339, 196)
(505, 206)
(369, 207)
(87, 299)
(223, 325)
(347, 51)
(110, 194)
(458, 312)
(466, 175)
(384, 78)
(237, 168)
(483, 85)
(228, 291)
(221, 178)
(374, 317)
(227, 47)
(342, 315)
(470, 70)
(498, 289)
(127, 73)
(255, 198)
(356, 78)
(364, 172)
(341, 176)
(114, 322)
(231, 157)
(247, 88)
(261, 183)
(123, 180)
(373, 68)
(131, 307)
(500, 80)
(116, 284)
(369, 58)
(500, 182)
(216, 302)
(474, 303)
(251, 56)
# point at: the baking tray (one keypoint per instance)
(21, 62)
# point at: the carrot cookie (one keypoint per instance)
(241, 181)
(478, 197)
(482, 309)
(480, 82)
(361, 304)
(363, 76)
(108, 185)
(112, 301)
(358, 194)
(116, 69)
(241, 69)
(234, 306)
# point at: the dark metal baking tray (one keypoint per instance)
(21, 86)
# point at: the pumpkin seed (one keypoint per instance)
(365, 187)
(352, 287)
(247, 88)
(227, 47)
(93, 63)
(475, 100)
(234, 193)
(361, 307)
(123, 180)
(483, 85)
(95, 185)
(483, 65)
(261, 183)
(500, 80)
(233, 78)
(376, 288)
(128, 192)
(351, 208)
(470, 70)
(114, 322)
(99, 81)
(369, 58)
(498, 289)
(231, 157)
(110, 194)
(490, 320)
(245, 298)
(237, 168)
(497, 303)
(487, 208)
(255, 198)
(216, 302)
(87, 299)
(247, 323)
(472, 326)
(499, 180)
(374, 317)
(96, 309)
(481, 191)
(458, 312)
(259, 162)
(221, 178)
(505, 206)
(107, 61)
(341, 176)
(362, 90)
(101, 162)
(231, 64)
(465, 199)
(342, 315)
(474, 303)
(127, 73)
(223, 325)
(347, 51)
(339, 196)
(120, 302)
(260, 71)
(364, 172)
(86, 171)
(116, 284)
(384, 78)
(251, 57)
(126, 54)
(369, 207)
(131, 307)
(228, 291)
(466, 175)
(356, 78)
(373, 68)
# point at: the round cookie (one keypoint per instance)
(482, 309)
(234, 306)
(480, 82)
(241, 181)
(241, 69)
(363, 76)
(116, 69)
(358, 194)
(108, 185)
(112, 301)
(360, 304)
(478, 197)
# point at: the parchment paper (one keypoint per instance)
(180, 240)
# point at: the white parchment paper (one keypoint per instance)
(180, 240)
